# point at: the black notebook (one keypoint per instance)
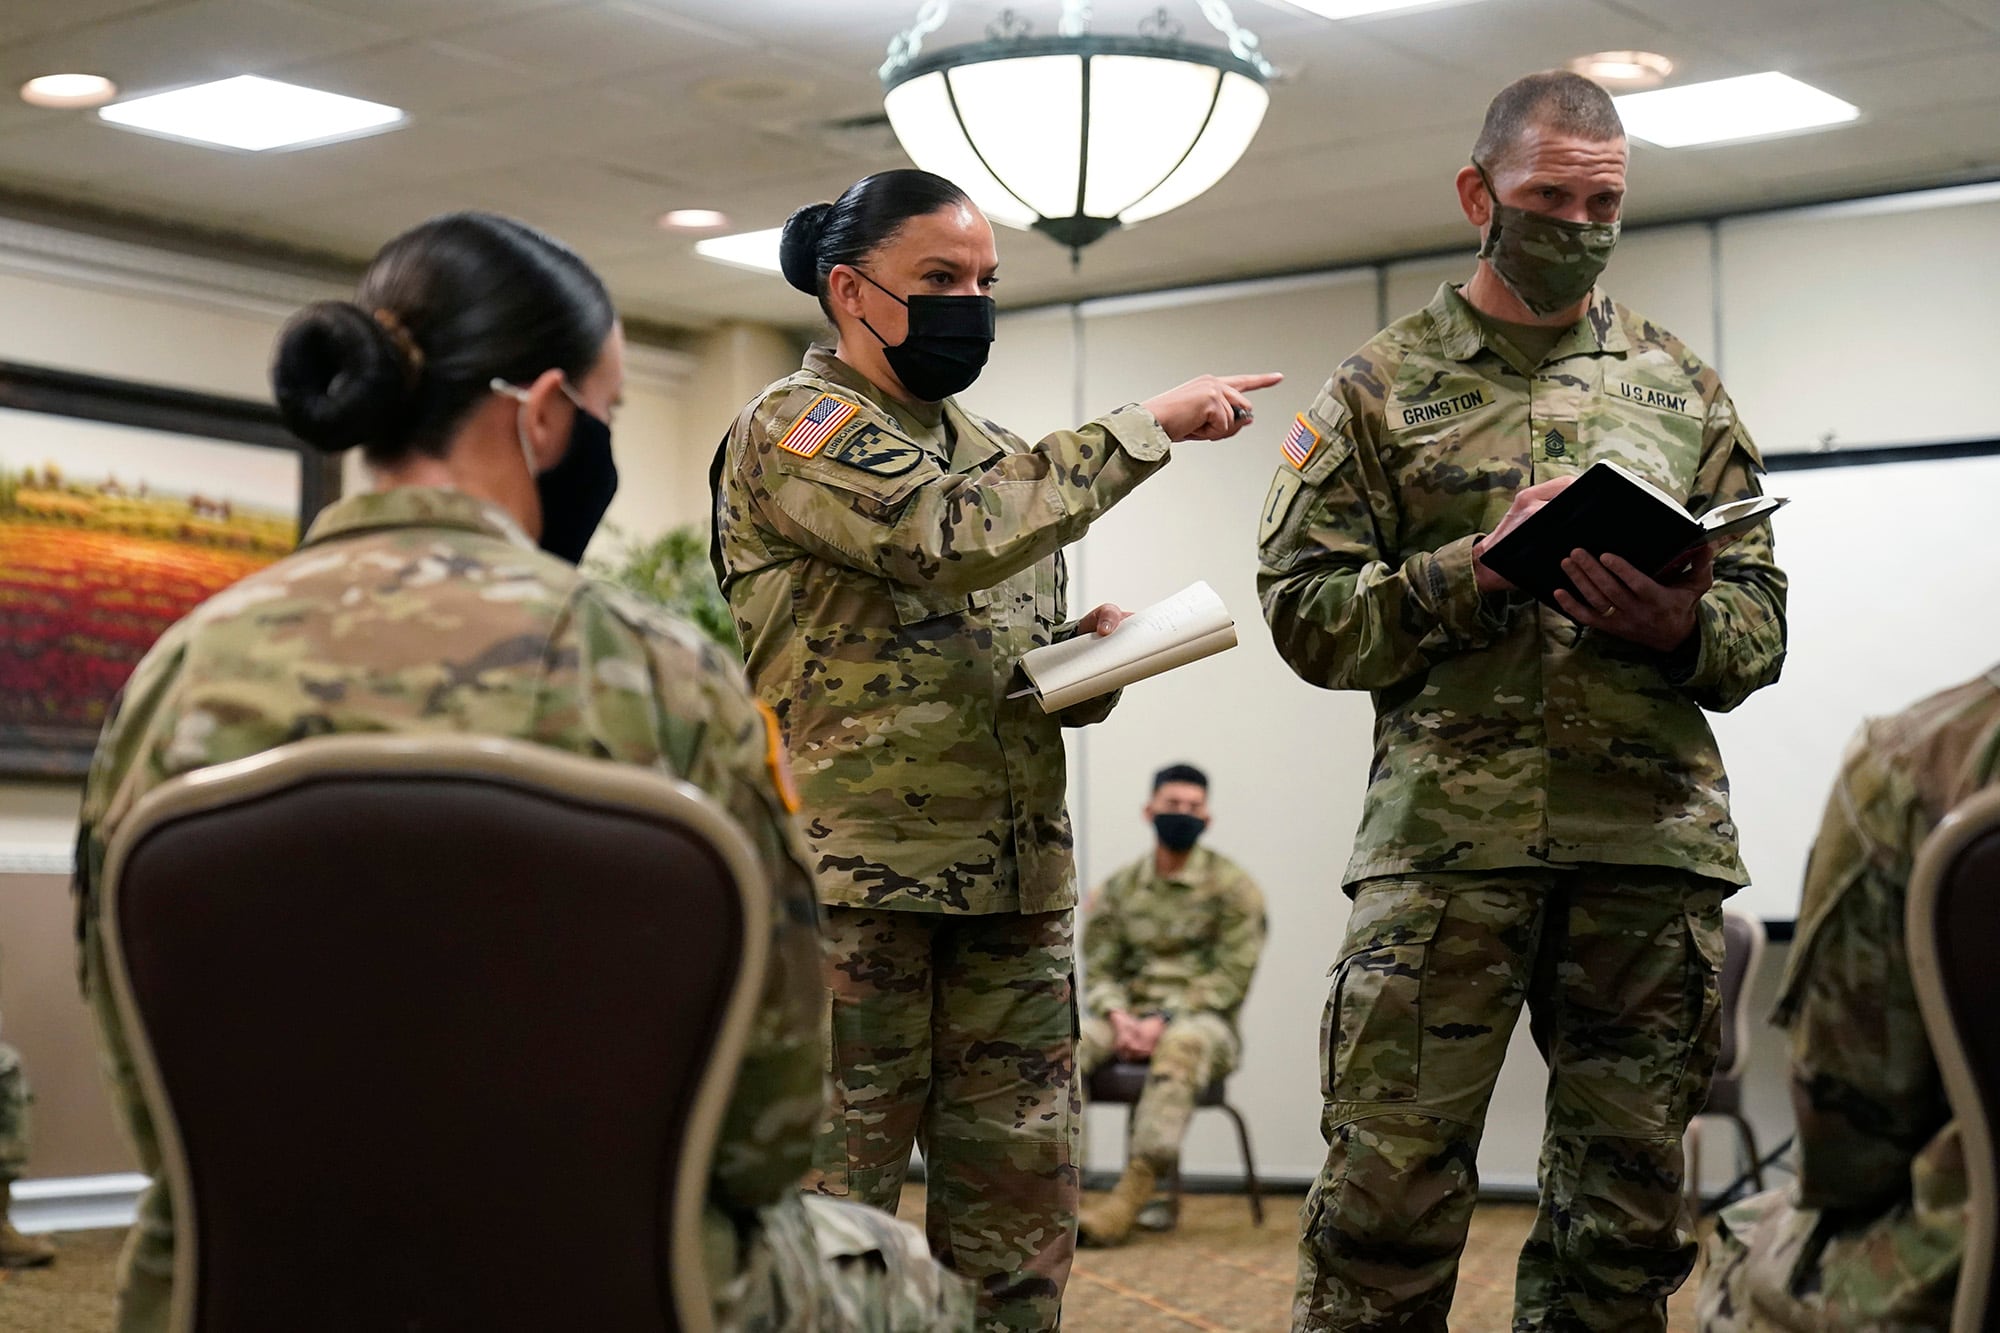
(1611, 510)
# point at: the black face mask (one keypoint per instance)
(1178, 833)
(945, 347)
(578, 489)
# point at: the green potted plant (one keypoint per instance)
(672, 569)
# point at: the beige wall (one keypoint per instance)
(211, 329)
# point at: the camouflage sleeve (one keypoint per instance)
(661, 693)
(116, 773)
(1238, 945)
(1347, 607)
(1864, 1084)
(1104, 953)
(1740, 625)
(890, 510)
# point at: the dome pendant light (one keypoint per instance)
(1077, 134)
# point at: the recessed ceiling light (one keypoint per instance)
(1753, 106)
(1624, 69)
(1354, 9)
(757, 250)
(61, 90)
(252, 113)
(693, 219)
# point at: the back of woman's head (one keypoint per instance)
(846, 231)
(444, 309)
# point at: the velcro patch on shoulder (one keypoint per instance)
(872, 449)
(1301, 442)
(820, 422)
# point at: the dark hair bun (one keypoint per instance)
(798, 246)
(341, 378)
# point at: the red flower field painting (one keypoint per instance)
(108, 535)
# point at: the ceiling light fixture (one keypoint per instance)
(693, 219)
(1624, 69)
(754, 250)
(68, 90)
(252, 113)
(1077, 134)
(1354, 9)
(1753, 106)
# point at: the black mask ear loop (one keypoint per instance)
(1488, 237)
(886, 292)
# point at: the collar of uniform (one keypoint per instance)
(1193, 872)
(922, 422)
(973, 446)
(415, 507)
(1461, 336)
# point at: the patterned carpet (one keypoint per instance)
(1216, 1274)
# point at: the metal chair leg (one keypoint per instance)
(1692, 1187)
(1750, 1146)
(1250, 1181)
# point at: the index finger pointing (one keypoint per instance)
(1250, 383)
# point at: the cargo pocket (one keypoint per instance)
(1372, 1029)
(1702, 992)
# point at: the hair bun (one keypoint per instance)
(342, 378)
(798, 246)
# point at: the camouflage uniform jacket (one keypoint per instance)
(888, 566)
(1875, 1131)
(1506, 735)
(1179, 945)
(421, 610)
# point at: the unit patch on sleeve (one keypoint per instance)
(1301, 442)
(867, 446)
(817, 425)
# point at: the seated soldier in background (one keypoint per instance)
(16, 1250)
(1169, 945)
(1871, 1235)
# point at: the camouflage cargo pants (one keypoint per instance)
(959, 1032)
(1193, 1052)
(13, 1120)
(1618, 967)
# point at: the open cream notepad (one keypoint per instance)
(1190, 625)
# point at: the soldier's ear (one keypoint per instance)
(843, 290)
(1473, 199)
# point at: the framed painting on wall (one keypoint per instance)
(122, 507)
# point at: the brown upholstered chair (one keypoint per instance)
(1120, 1083)
(1953, 925)
(437, 1033)
(1743, 939)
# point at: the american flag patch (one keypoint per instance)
(1301, 441)
(811, 431)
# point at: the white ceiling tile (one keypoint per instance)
(189, 42)
(425, 76)
(595, 42)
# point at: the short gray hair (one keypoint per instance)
(1555, 99)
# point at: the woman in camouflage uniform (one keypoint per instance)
(889, 557)
(479, 366)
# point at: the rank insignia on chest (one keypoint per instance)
(818, 424)
(1301, 442)
(870, 448)
(1554, 443)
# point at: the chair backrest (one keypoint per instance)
(1743, 950)
(436, 1032)
(1953, 925)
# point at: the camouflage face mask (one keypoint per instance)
(1549, 263)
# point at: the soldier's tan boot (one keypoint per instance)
(19, 1251)
(1108, 1221)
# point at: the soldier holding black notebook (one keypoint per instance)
(1546, 818)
